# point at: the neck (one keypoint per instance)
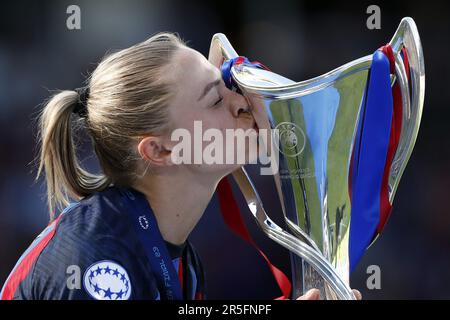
(177, 202)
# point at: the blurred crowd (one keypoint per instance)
(298, 39)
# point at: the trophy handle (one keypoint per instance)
(221, 49)
(412, 92)
(288, 241)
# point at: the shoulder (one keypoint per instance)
(96, 226)
(93, 254)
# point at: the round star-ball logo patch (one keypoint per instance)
(107, 280)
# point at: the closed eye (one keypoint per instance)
(217, 103)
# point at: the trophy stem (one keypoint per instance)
(313, 280)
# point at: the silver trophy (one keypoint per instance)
(319, 125)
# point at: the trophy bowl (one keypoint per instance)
(342, 141)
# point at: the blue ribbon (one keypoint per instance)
(226, 70)
(369, 158)
(147, 229)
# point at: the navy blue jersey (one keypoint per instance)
(92, 251)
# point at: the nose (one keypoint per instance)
(239, 105)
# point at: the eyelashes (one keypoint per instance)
(218, 102)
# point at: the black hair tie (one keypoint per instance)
(81, 107)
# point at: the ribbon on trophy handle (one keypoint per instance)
(232, 217)
(402, 105)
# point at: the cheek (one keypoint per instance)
(219, 118)
(223, 119)
(185, 119)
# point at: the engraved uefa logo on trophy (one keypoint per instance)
(344, 139)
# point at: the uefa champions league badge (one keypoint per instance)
(107, 280)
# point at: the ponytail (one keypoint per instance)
(127, 98)
(65, 177)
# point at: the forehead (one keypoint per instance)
(191, 72)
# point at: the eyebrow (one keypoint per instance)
(208, 87)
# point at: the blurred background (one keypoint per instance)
(298, 39)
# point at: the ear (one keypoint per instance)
(153, 150)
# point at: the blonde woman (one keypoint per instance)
(126, 236)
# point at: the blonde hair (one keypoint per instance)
(128, 98)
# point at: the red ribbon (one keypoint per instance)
(233, 218)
